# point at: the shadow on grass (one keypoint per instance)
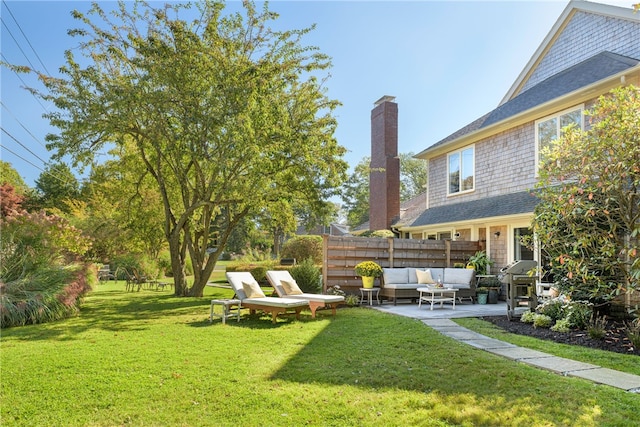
(456, 381)
(112, 308)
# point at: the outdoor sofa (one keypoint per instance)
(403, 283)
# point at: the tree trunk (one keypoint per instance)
(177, 267)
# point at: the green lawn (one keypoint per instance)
(148, 358)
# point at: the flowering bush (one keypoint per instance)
(368, 269)
(36, 240)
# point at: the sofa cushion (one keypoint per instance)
(401, 286)
(395, 275)
(413, 278)
(458, 275)
(424, 277)
(437, 273)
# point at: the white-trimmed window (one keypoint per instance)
(461, 170)
(550, 128)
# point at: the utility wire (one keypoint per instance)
(26, 38)
(23, 82)
(17, 44)
(23, 126)
(20, 157)
(24, 146)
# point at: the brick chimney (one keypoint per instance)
(384, 178)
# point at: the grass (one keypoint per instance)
(622, 362)
(149, 358)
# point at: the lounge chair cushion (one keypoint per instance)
(252, 290)
(291, 287)
(424, 277)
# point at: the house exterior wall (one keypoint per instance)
(504, 163)
(593, 34)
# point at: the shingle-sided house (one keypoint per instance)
(480, 177)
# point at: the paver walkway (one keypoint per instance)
(440, 320)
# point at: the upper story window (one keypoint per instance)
(461, 170)
(550, 128)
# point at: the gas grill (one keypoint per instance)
(521, 286)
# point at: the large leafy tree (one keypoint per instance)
(223, 113)
(56, 187)
(588, 221)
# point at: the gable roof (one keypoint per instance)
(573, 7)
(592, 70)
(507, 204)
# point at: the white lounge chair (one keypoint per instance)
(276, 277)
(240, 280)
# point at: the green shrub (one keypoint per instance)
(552, 308)
(302, 248)
(352, 300)
(257, 269)
(562, 325)
(308, 276)
(578, 313)
(377, 233)
(527, 317)
(164, 263)
(145, 266)
(541, 321)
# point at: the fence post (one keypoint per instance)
(325, 264)
(390, 243)
(447, 249)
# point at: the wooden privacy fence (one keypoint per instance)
(341, 254)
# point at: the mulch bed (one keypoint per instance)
(615, 338)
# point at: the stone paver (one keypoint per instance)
(559, 365)
(518, 353)
(610, 377)
(488, 343)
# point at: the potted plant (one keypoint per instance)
(482, 295)
(368, 270)
(492, 284)
(480, 262)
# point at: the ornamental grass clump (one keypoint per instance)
(368, 269)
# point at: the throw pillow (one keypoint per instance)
(252, 290)
(424, 277)
(291, 287)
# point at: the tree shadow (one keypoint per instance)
(454, 380)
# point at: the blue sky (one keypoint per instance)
(446, 62)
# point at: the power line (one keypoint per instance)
(20, 157)
(23, 146)
(23, 126)
(26, 38)
(23, 82)
(17, 44)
